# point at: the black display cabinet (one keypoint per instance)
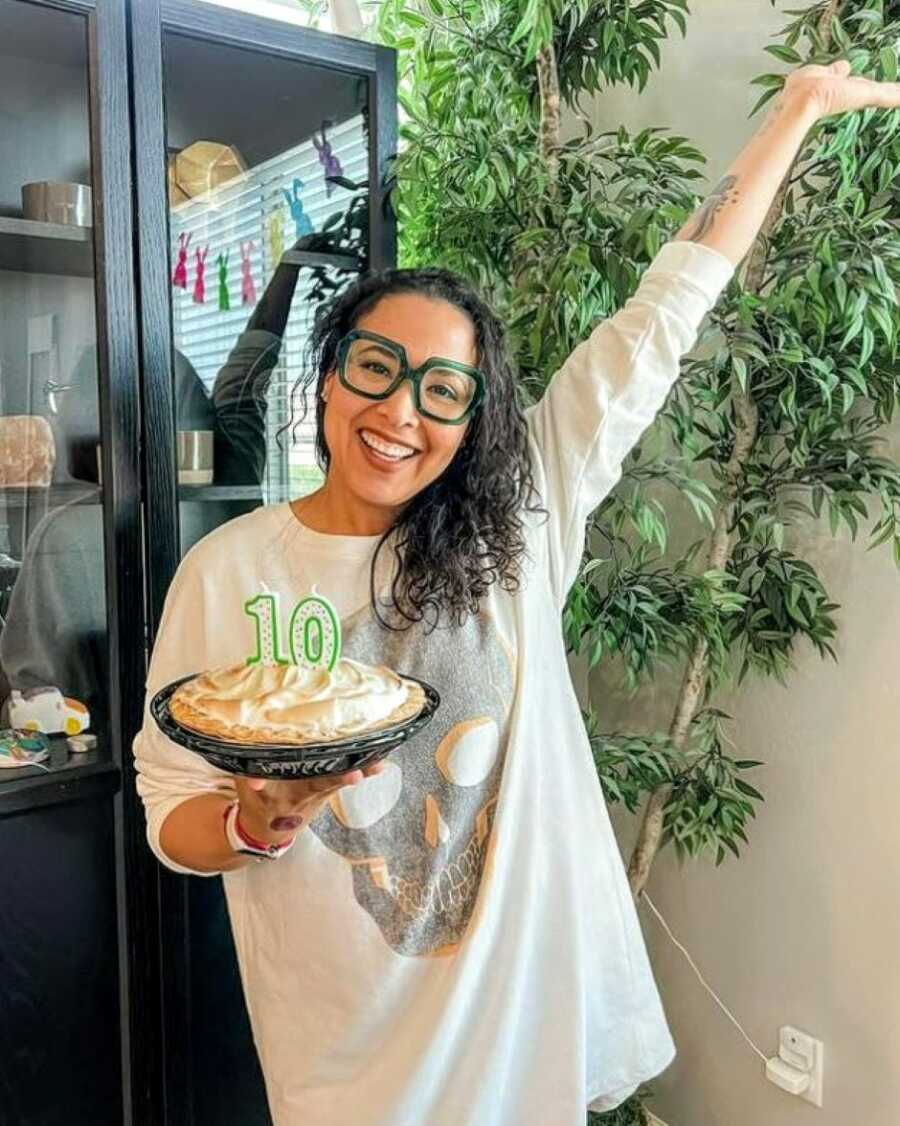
(199, 128)
(71, 562)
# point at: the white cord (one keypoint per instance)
(646, 899)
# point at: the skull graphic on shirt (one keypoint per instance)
(418, 835)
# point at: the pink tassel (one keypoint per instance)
(200, 280)
(179, 278)
(248, 289)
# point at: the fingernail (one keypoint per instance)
(285, 824)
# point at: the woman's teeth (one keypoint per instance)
(386, 449)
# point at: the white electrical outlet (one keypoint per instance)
(799, 1066)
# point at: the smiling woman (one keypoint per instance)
(383, 449)
(434, 950)
(422, 434)
(447, 533)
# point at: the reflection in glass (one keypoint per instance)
(267, 156)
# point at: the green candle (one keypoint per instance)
(314, 632)
(265, 609)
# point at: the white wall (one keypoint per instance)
(805, 929)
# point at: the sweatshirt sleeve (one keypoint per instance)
(610, 389)
(239, 402)
(168, 774)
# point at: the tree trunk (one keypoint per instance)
(548, 85)
(693, 687)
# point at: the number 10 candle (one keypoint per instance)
(314, 632)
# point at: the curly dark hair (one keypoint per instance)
(464, 531)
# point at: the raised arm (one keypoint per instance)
(240, 390)
(730, 219)
(272, 309)
(611, 387)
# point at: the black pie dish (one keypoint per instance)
(292, 760)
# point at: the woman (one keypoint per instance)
(449, 940)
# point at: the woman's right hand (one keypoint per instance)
(275, 811)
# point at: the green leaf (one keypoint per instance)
(868, 346)
(776, 81)
(882, 275)
(412, 19)
(739, 367)
(745, 787)
(764, 100)
(785, 54)
(884, 322)
(840, 291)
(856, 327)
(526, 24)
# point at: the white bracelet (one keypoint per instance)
(247, 846)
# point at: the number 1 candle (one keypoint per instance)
(265, 609)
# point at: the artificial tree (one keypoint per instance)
(777, 417)
(788, 415)
(779, 412)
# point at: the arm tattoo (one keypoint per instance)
(722, 193)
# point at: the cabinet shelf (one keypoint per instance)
(20, 496)
(12, 496)
(67, 777)
(219, 492)
(310, 258)
(29, 247)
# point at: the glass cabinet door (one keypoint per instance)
(260, 184)
(54, 668)
(267, 180)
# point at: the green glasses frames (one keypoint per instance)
(443, 390)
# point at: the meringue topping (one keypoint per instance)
(290, 703)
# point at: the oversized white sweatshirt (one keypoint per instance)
(451, 942)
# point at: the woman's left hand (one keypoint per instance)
(825, 90)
